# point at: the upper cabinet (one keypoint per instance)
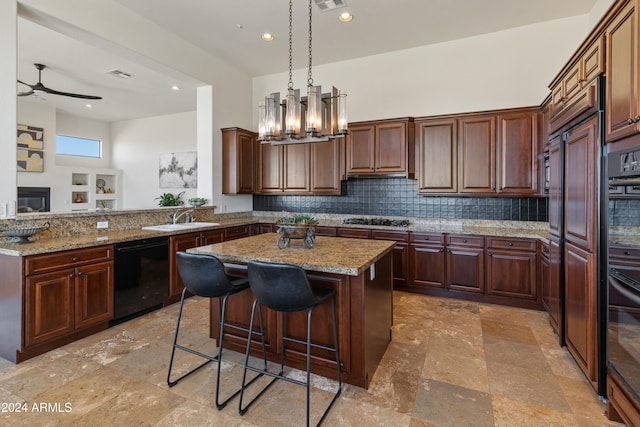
(284, 169)
(477, 154)
(327, 166)
(489, 153)
(622, 100)
(517, 152)
(381, 148)
(239, 161)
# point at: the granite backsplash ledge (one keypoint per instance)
(66, 224)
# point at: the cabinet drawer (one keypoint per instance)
(356, 233)
(398, 236)
(623, 253)
(59, 260)
(237, 232)
(514, 244)
(474, 241)
(437, 239)
(326, 231)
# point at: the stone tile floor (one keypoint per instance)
(451, 363)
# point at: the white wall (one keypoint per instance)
(8, 91)
(137, 145)
(510, 68)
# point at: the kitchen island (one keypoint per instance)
(360, 272)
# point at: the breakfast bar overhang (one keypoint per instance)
(360, 272)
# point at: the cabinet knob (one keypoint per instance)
(71, 275)
(510, 244)
(75, 258)
(630, 121)
(627, 253)
(637, 119)
(490, 254)
(464, 241)
(80, 273)
(426, 238)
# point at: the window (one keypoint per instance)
(74, 146)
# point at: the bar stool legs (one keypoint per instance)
(279, 375)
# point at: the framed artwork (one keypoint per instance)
(30, 145)
(179, 170)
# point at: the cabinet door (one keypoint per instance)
(511, 274)
(581, 185)
(427, 265)
(518, 153)
(476, 154)
(465, 269)
(325, 167)
(593, 61)
(212, 236)
(400, 253)
(437, 156)
(237, 232)
(93, 294)
(238, 161)
(361, 149)
(270, 176)
(556, 188)
(580, 308)
(296, 168)
(178, 244)
(391, 148)
(553, 291)
(622, 75)
(49, 309)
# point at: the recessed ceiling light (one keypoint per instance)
(267, 37)
(345, 17)
(88, 105)
(174, 87)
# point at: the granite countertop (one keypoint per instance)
(338, 255)
(474, 227)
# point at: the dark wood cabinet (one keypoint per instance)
(237, 232)
(355, 233)
(556, 196)
(327, 166)
(381, 147)
(551, 292)
(465, 263)
(511, 267)
(295, 168)
(580, 308)
(400, 253)
(66, 292)
(270, 164)
(517, 153)
(476, 154)
(427, 260)
(437, 155)
(622, 67)
(580, 187)
(239, 152)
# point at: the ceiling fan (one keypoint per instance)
(39, 87)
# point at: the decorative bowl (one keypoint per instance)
(24, 232)
(286, 232)
(197, 204)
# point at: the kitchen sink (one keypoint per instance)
(179, 227)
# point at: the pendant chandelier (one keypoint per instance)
(317, 117)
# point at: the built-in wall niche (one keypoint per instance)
(94, 189)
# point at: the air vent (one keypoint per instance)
(119, 74)
(325, 5)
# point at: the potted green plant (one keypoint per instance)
(296, 226)
(197, 201)
(170, 199)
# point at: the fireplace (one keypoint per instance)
(34, 199)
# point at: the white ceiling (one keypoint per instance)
(231, 30)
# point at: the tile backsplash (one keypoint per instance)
(398, 197)
(624, 212)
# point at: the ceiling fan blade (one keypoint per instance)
(26, 93)
(26, 84)
(73, 95)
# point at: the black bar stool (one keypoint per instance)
(204, 275)
(285, 288)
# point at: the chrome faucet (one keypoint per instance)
(187, 215)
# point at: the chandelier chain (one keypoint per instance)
(309, 78)
(290, 45)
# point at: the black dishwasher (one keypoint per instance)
(141, 277)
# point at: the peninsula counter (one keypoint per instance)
(360, 272)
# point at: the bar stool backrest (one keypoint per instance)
(203, 275)
(281, 287)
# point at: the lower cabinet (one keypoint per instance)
(465, 263)
(67, 292)
(400, 253)
(180, 243)
(427, 260)
(511, 267)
